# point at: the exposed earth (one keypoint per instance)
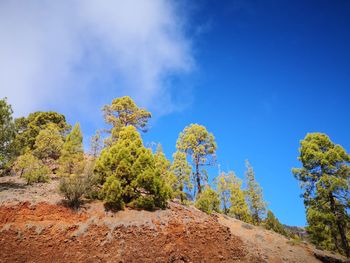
(35, 226)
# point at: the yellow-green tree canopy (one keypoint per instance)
(197, 142)
(124, 112)
(324, 177)
(128, 174)
(72, 155)
(31, 168)
(208, 200)
(48, 143)
(162, 166)
(27, 129)
(182, 170)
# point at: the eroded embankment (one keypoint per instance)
(53, 233)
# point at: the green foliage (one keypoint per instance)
(7, 133)
(208, 201)
(48, 143)
(254, 195)
(124, 112)
(73, 187)
(72, 155)
(83, 183)
(224, 186)
(162, 166)
(31, 168)
(129, 166)
(239, 207)
(182, 171)
(27, 129)
(272, 223)
(112, 193)
(325, 179)
(197, 142)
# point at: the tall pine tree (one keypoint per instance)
(72, 156)
(254, 193)
(324, 177)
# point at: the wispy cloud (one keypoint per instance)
(81, 53)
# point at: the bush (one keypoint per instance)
(73, 187)
(31, 169)
(208, 201)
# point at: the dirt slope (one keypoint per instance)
(35, 231)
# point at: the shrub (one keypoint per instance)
(208, 201)
(73, 187)
(84, 183)
(31, 169)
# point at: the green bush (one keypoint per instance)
(73, 187)
(208, 201)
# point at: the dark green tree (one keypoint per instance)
(198, 143)
(272, 223)
(7, 133)
(324, 177)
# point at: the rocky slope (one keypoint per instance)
(36, 227)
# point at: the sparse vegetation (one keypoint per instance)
(123, 172)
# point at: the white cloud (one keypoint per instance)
(83, 53)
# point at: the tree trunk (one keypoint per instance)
(198, 178)
(340, 226)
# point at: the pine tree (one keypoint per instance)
(27, 129)
(124, 112)
(272, 223)
(224, 185)
(198, 143)
(72, 156)
(325, 178)
(239, 207)
(254, 195)
(182, 170)
(162, 166)
(128, 175)
(96, 145)
(48, 143)
(7, 133)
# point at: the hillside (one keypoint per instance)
(36, 227)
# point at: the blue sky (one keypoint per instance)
(258, 74)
